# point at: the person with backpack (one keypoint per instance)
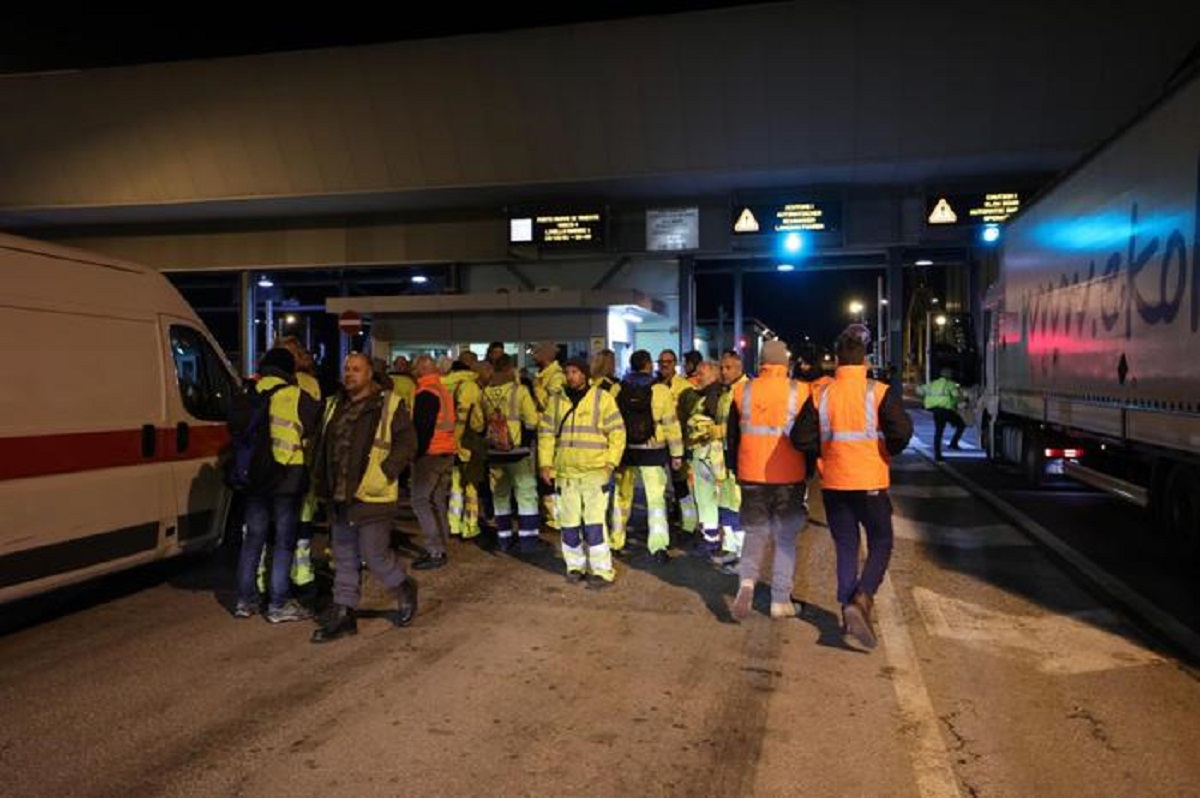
(653, 440)
(548, 381)
(580, 441)
(511, 424)
(366, 440)
(268, 466)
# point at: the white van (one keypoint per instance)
(113, 400)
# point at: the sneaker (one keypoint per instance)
(428, 562)
(742, 602)
(245, 609)
(575, 577)
(291, 611)
(597, 582)
(784, 609)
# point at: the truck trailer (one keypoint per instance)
(1092, 329)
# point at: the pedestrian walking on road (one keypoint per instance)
(857, 425)
(433, 418)
(942, 397)
(366, 440)
(771, 473)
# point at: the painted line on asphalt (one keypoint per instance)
(1137, 605)
(930, 756)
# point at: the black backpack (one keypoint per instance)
(635, 403)
(251, 466)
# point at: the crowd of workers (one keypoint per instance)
(720, 456)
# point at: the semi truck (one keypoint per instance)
(1092, 329)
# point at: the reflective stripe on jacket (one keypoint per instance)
(583, 439)
(853, 456)
(941, 393)
(767, 408)
(287, 432)
(468, 397)
(512, 399)
(375, 486)
(442, 441)
(548, 382)
(668, 432)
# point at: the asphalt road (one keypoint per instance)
(997, 674)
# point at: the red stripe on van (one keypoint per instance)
(43, 455)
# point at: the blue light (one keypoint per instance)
(785, 267)
(990, 234)
(792, 242)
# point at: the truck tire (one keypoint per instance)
(1181, 509)
(1033, 457)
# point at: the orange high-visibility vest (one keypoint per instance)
(853, 456)
(767, 409)
(443, 432)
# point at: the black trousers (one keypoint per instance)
(941, 417)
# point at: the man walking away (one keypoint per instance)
(580, 441)
(366, 440)
(859, 424)
(942, 397)
(433, 418)
(771, 473)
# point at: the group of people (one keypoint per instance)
(726, 456)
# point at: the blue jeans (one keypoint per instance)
(844, 511)
(259, 510)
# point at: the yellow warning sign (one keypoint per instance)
(943, 213)
(746, 222)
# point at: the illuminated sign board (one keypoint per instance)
(972, 209)
(557, 229)
(672, 229)
(816, 216)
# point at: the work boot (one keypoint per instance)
(575, 577)
(597, 582)
(661, 557)
(428, 561)
(340, 623)
(406, 601)
(857, 619)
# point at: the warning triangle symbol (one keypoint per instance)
(746, 222)
(943, 213)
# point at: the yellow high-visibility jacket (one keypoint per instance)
(513, 401)
(580, 439)
(287, 432)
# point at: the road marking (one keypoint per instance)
(929, 492)
(1139, 606)
(930, 757)
(960, 537)
(1060, 644)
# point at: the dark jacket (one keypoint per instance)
(362, 435)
